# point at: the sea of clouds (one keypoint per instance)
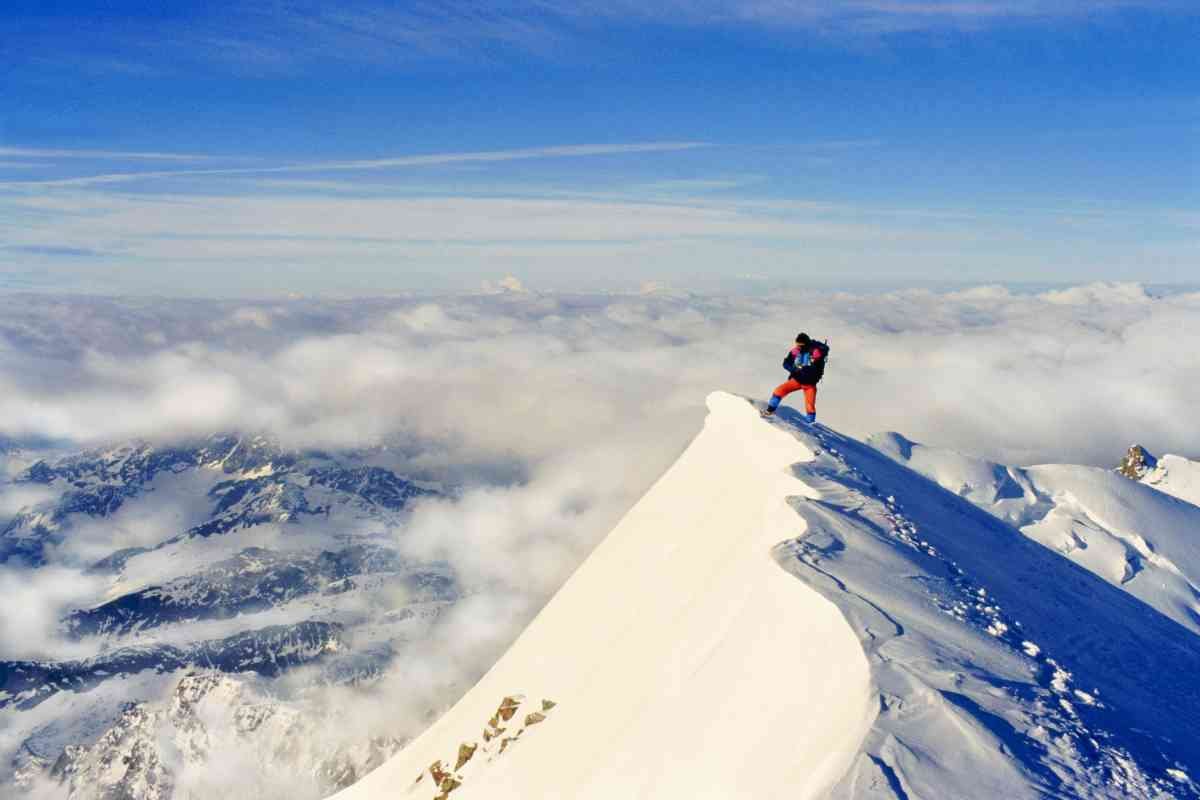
(555, 412)
(524, 381)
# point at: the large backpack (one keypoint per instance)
(815, 370)
(819, 366)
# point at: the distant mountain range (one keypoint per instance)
(290, 561)
(854, 620)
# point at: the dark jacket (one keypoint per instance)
(806, 363)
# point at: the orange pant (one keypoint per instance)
(810, 393)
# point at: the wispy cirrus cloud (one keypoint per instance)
(855, 15)
(107, 155)
(432, 159)
(272, 39)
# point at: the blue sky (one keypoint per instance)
(212, 148)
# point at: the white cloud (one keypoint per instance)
(395, 162)
(177, 502)
(117, 155)
(16, 497)
(509, 283)
(526, 374)
(34, 601)
(855, 16)
(271, 244)
(1098, 294)
(556, 412)
(249, 315)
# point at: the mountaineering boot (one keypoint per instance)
(809, 418)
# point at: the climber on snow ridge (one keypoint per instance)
(805, 364)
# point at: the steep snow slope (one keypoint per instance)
(1003, 669)
(1140, 539)
(1175, 475)
(689, 658)
(678, 661)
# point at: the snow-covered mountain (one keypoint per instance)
(1120, 524)
(205, 717)
(230, 556)
(790, 613)
(267, 651)
(254, 481)
(1177, 476)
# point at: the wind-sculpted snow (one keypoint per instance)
(998, 669)
(1003, 669)
(678, 661)
(1134, 536)
(787, 613)
(1177, 476)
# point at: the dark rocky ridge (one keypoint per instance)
(267, 652)
(331, 591)
(268, 484)
(254, 580)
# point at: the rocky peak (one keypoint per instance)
(1137, 463)
(151, 747)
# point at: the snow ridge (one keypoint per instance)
(1176, 476)
(997, 668)
(1130, 532)
(681, 660)
(1003, 670)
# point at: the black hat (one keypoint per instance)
(802, 338)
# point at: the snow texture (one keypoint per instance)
(1003, 669)
(682, 661)
(138, 563)
(1131, 535)
(1177, 476)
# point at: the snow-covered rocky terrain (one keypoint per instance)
(1136, 526)
(788, 612)
(1177, 476)
(202, 574)
(791, 613)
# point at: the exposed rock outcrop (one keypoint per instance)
(1137, 463)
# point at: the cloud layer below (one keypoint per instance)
(1069, 375)
(554, 413)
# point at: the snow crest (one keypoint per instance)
(681, 660)
(1003, 669)
(703, 651)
